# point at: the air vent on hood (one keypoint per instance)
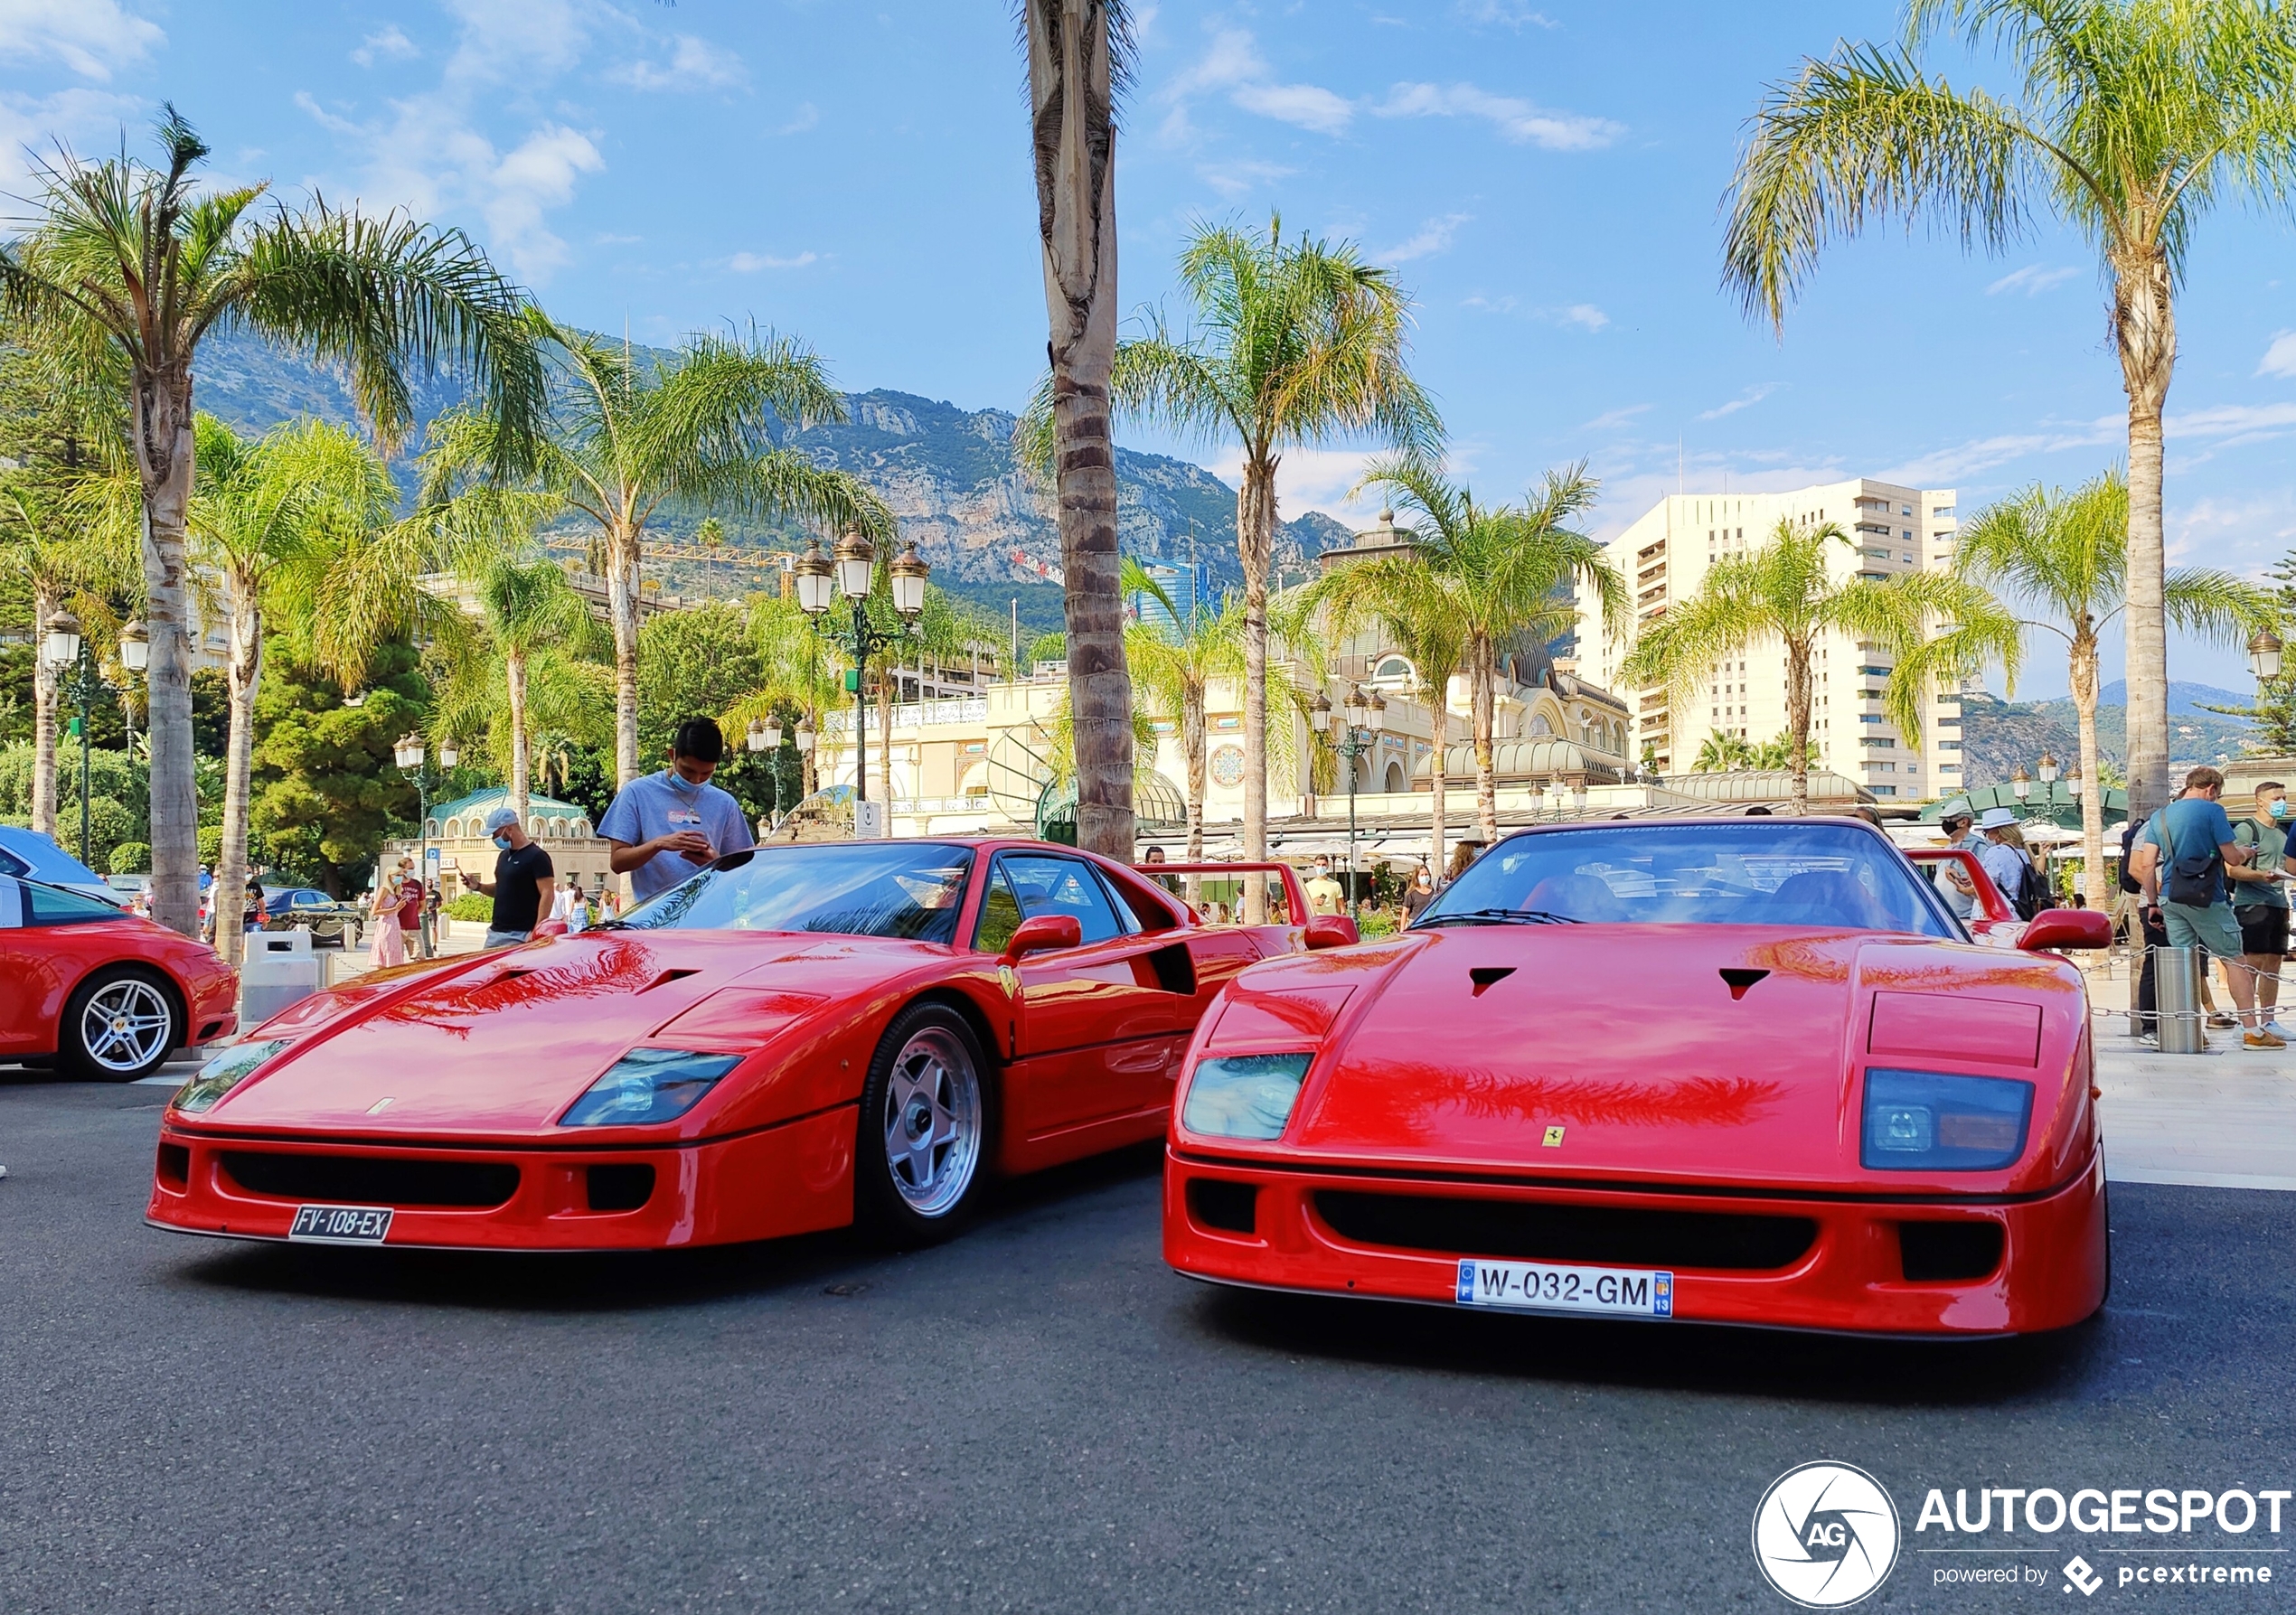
(1740, 980)
(1488, 975)
(666, 977)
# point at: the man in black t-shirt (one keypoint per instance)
(522, 884)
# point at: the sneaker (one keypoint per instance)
(2263, 1040)
(2221, 1021)
(2276, 1030)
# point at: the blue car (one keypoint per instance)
(33, 857)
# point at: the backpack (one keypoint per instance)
(2190, 878)
(2031, 895)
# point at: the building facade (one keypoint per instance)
(1894, 529)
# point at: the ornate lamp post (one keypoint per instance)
(854, 564)
(763, 739)
(66, 650)
(2264, 654)
(1365, 717)
(409, 755)
(2022, 783)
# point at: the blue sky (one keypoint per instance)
(1546, 179)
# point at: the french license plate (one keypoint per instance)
(1548, 1287)
(340, 1225)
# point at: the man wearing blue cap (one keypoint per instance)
(522, 884)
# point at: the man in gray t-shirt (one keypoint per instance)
(664, 826)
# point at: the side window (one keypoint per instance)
(10, 863)
(1042, 884)
(1128, 921)
(12, 903)
(999, 914)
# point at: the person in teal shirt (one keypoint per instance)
(2260, 900)
(2192, 826)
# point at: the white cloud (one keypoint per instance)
(750, 263)
(308, 102)
(1612, 420)
(1517, 120)
(32, 127)
(1745, 400)
(1482, 304)
(1507, 13)
(805, 118)
(1310, 479)
(693, 63)
(88, 37)
(2032, 280)
(1234, 179)
(1232, 63)
(1585, 315)
(1308, 106)
(2280, 359)
(387, 44)
(609, 239)
(1434, 236)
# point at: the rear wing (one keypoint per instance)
(1294, 898)
(1989, 896)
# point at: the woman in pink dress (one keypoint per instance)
(382, 912)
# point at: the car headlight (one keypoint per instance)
(225, 1072)
(648, 1085)
(1244, 1096)
(1926, 1120)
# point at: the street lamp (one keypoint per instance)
(2021, 783)
(408, 755)
(1365, 717)
(763, 739)
(2048, 769)
(2073, 782)
(853, 567)
(2264, 654)
(66, 651)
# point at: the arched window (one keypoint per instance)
(1395, 784)
(430, 828)
(1539, 727)
(581, 829)
(1392, 667)
(454, 829)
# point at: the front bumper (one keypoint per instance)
(1851, 1278)
(791, 1179)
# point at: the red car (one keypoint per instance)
(1740, 1071)
(105, 993)
(794, 1038)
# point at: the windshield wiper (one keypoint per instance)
(1496, 916)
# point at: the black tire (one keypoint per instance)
(929, 1083)
(145, 1024)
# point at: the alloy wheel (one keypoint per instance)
(126, 1025)
(932, 1122)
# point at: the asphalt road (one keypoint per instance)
(1041, 1417)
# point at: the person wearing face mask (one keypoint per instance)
(2259, 900)
(664, 826)
(1418, 893)
(1325, 895)
(522, 884)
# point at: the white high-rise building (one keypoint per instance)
(1665, 556)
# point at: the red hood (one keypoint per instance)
(503, 1046)
(1628, 1039)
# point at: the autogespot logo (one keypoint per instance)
(1825, 1534)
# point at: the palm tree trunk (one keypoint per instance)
(808, 770)
(1254, 543)
(243, 670)
(2083, 673)
(2144, 321)
(1798, 723)
(1192, 746)
(1439, 731)
(1073, 131)
(164, 464)
(622, 606)
(521, 753)
(885, 742)
(45, 600)
(1486, 721)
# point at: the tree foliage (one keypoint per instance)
(326, 792)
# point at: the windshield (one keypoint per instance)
(907, 889)
(1761, 872)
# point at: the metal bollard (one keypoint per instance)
(2176, 1000)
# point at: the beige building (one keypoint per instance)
(1665, 554)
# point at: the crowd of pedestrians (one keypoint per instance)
(2204, 883)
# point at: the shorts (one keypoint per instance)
(2209, 929)
(502, 939)
(2264, 928)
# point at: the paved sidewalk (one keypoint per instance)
(2225, 1118)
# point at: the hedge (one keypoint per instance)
(131, 858)
(470, 906)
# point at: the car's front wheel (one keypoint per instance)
(923, 1128)
(118, 1025)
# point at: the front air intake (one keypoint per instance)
(1545, 1231)
(371, 1180)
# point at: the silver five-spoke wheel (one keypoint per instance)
(932, 1120)
(120, 1024)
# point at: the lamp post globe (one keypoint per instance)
(803, 739)
(2072, 782)
(815, 573)
(909, 573)
(2048, 768)
(856, 563)
(135, 646)
(408, 752)
(60, 645)
(1318, 714)
(756, 739)
(2264, 654)
(449, 754)
(2021, 783)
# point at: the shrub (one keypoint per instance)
(210, 844)
(131, 858)
(1376, 922)
(470, 906)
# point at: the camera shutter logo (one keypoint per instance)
(1825, 1534)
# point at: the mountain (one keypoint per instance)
(1998, 736)
(2184, 700)
(948, 472)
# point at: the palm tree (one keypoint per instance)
(526, 671)
(1174, 662)
(1722, 752)
(1080, 54)
(135, 267)
(63, 559)
(801, 675)
(1784, 593)
(2132, 121)
(625, 436)
(1497, 571)
(711, 536)
(2060, 563)
(1293, 345)
(286, 523)
(1417, 618)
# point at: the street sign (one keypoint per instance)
(869, 822)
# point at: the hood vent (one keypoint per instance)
(666, 977)
(1740, 980)
(1488, 975)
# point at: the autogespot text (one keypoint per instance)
(2223, 1537)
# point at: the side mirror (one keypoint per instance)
(1330, 931)
(2052, 930)
(1041, 934)
(550, 928)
